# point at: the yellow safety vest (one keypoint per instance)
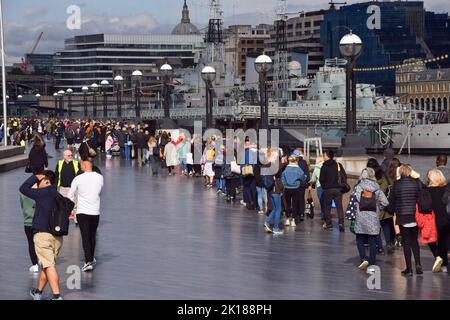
(60, 165)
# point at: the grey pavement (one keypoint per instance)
(170, 238)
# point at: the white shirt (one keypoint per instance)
(88, 186)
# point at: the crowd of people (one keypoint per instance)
(389, 200)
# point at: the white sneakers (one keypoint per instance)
(293, 222)
(287, 223)
(243, 203)
(363, 265)
(444, 269)
(437, 264)
(87, 267)
(34, 268)
(370, 269)
(260, 212)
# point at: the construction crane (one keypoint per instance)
(25, 61)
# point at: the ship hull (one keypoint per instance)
(424, 139)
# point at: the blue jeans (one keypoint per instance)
(275, 213)
(262, 198)
(183, 164)
(220, 184)
(372, 247)
(127, 152)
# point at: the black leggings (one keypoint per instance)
(410, 242)
(230, 187)
(440, 247)
(31, 250)
(88, 227)
(170, 168)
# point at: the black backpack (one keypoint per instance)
(368, 203)
(424, 201)
(59, 218)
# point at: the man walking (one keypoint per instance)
(46, 245)
(329, 180)
(66, 170)
(88, 186)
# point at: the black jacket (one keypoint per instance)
(141, 140)
(38, 159)
(329, 175)
(403, 199)
(439, 207)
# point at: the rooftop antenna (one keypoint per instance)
(281, 59)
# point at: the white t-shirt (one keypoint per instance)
(88, 186)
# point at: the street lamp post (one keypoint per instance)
(69, 101)
(94, 88)
(263, 64)
(166, 72)
(351, 47)
(209, 75)
(137, 75)
(55, 95)
(61, 102)
(85, 91)
(118, 80)
(38, 97)
(105, 85)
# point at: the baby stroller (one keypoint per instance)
(115, 148)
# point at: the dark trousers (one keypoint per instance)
(154, 160)
(440, 247)
(360, 240)
(330, 195)
(301, 201)
(57, 142)
(88, 227)
(410, 243)
(170, 168)
(249, 184)
(291, 197)
(230, 187)
(31, 250)
(387, 227)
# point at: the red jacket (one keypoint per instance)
(427, 227)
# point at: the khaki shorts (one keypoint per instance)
(47, 248)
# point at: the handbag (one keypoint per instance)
(189, 158)
(28, 168)
(342, 181)
(247, 170)
(235, 168)
(352, 208)
(309, 207)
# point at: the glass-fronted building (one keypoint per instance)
(91, 58)
(42, 63)
(407, 31)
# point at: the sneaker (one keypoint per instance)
(287, 223)
(87, 267)
(170, 174)
(59, 298)
(381, 251)
(327, 226)
(419, 269)
(370, 269)
(390, 249)
(35, 295)
(218, 191)
(243, 203)
(437, 264)
(260, 212)
(34, 268)
(94, 262)
(444, 269)
(302, 217)
(293, 224)
(267, 227)
(277, 231)
(407, 272)
(341, 228)
(364, 264)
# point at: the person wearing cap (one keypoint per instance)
(301, 192)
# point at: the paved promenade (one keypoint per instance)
(169, 238)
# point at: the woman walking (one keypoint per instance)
(402, 201)
(37, 159)
(367, 224)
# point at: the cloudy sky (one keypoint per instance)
(25, 19)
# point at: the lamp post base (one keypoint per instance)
(353, 145)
